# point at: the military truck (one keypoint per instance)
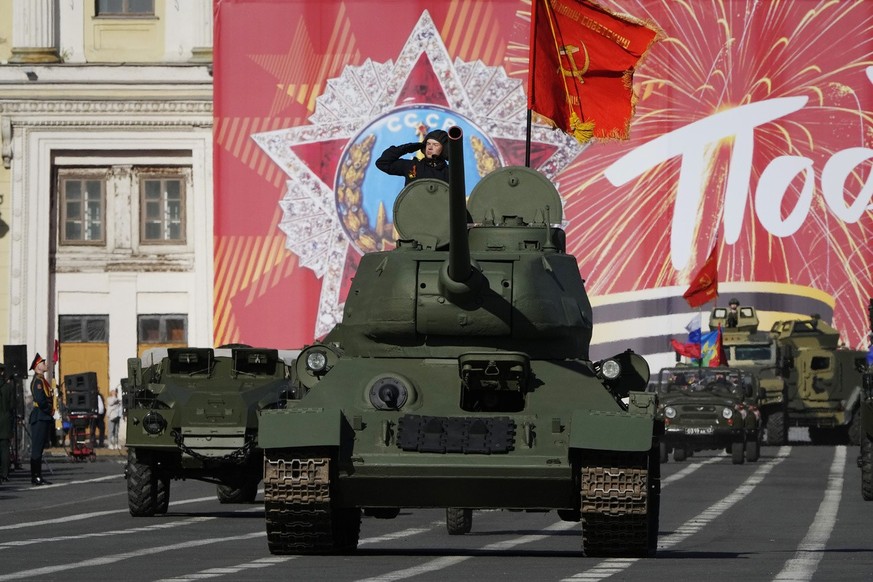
(192, 414)
(865, 460)
(460, 378)
(709, 408)
(823, 380)
(756, 353)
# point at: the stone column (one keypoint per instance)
(201, 52)
(34, 36)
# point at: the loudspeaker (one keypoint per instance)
(84, 382)
(81, 390)
(15, 359)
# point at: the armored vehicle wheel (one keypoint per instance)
(866, 462)
(459, 521)
(679, 454)
(753, 450)
(301, 515)
(853, 431)
(162, 494)
(663, 457)
(777, 428)
(231, 494)
(142, 484)
(738, 452)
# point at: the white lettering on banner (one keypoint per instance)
(695, 143)
(411, 119)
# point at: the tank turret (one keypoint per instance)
(503, 282)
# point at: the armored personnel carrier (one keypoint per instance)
(709, 408)
(192, 414)
(823, 380)
(460, 378)
(756, 353)
(865, 460)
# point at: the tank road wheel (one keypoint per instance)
(777, 428)
(738, 452)
(142, 484)
(459, 521)
(664, 455)
(301, 514)
(866, 462)
(679, 454)
(617, 518)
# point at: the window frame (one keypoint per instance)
(81, 176)
(125, 11)
(163, 337)
(163, 177)
(83, 324)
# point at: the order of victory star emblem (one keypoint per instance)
(339, 207)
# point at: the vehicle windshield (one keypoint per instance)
(762, 353)
(701, 380)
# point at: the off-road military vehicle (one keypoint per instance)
(709, 408)
(756, 353)
(460, 378)
(192, 414)
(865, 461)
(823, 380)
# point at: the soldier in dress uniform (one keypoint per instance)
(42, 419)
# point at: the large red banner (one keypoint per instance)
(751, 128)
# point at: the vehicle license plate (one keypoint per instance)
(699, 430)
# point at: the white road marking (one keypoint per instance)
(441, 563)
(110, 533)
(230, 570)
(66, 483)
(811, 549)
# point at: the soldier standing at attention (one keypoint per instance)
(41, 418)
(433, 165)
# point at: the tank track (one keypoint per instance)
(616, 516)
(301, 516)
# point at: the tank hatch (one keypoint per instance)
(420, 213)
(515, 191)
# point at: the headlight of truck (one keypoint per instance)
(153, 423)
(727, 412)
(670, 412)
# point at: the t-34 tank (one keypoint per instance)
(460, 378)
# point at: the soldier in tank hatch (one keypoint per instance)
(432, 165)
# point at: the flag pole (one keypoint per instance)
(530, 80)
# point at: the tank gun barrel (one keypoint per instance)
(459, 247)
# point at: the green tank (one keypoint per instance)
(460, 378)
(865, 460)
(192, 414)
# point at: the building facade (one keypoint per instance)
(106, 179)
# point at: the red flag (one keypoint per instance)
(582, 60)
(704, 286)
(687, 350)
(57, 353)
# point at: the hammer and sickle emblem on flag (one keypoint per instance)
(575, 71)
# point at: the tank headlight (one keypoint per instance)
(727, 412)
(670, 412)
(388, 392)
(153, 423)
(610, 369)
(316, 361)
